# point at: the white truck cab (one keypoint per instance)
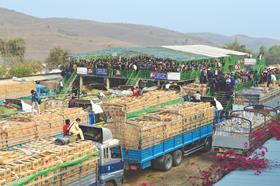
(111, 165)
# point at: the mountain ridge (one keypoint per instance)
(78, 35)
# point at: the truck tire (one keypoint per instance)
(167, 163)
(157, 163)
(110, 183)
(177, 157)
(208, 144)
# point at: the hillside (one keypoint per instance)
(82, 35)
(251, 42)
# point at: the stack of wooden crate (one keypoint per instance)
(256, 95)
(152, 129)
(147, 130)
(48, 127)
(194, 114)
(16, 132)
(192, 88)
(74, 113)
(118, 108)
(22, 128)
(22, 162)
(10, 89)
(53, 103)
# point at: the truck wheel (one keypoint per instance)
(157, 163)
(110, 183)
(167, 163)
(177, 157)
(208, 144)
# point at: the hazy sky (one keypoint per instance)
(252, 17)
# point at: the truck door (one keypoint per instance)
(111, 168)
(111, 160)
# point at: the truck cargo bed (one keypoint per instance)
(142, 158)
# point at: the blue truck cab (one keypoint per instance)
(111, 164)
(42, 90)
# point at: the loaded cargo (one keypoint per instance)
(149, 137)
(192, 88)
(151, 129)
(25, 127)
(123, 107)
(244, 131)
(269, 96)
(10, 89)
(44, 163)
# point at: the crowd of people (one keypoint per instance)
(140, 63)
(211, 74)
(267, 76)
(219, 81)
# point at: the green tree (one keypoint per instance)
(21, 69)
(13, 48)
(263, 50)
(57, 57)
(16, 47)
(2, 48)
(273, 55)
(36, 65)
(238, 47)
(3, 70)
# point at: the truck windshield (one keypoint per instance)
(116, 152)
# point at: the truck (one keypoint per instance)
(244, 130)
(114, 159)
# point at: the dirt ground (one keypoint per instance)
(177, 176)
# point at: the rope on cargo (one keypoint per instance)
(25, 181)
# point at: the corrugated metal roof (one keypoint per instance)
(42, 77)
(269, 177)
(205, 50)
(158, 52)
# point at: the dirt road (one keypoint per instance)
(177, 176)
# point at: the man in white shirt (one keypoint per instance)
(273, 78)
(197, 97)
(134, 67)
(219, 106)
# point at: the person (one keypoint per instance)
(74, 129)
(66, 127)
(255, 79)
(197, 96)
(228, 83)
(218, 105)
(61, 85)
(72, 103)
(35, 102)
(141, 92)
(273, 79)
(101, 95)
(268, 78)
(135, 91)
(167, 86)
(134, 66)
(141, 87)
(201, 76)
(218, 110)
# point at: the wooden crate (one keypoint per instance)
(22, 128)
(45, 155)
(118, 108)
